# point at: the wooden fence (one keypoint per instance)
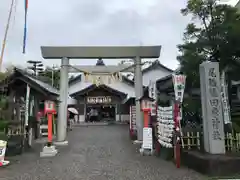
(192, 141)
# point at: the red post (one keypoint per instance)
(146, 117)
(50, 127)
(177, 135)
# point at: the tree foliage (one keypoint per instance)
(51, 76)
(212, 35)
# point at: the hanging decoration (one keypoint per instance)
(165, 126)
(25, 26)
(99, 79)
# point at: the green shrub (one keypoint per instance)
(3, 136)
(3, 125)
(3, 102)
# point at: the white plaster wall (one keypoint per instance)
(117, 85)
(71, 101)
(81, 118)
(123, 118)
(154, 75)
(117, 117)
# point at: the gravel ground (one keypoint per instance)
(95, 153)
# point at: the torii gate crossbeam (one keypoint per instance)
(93, 52)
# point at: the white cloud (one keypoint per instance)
(94, 22)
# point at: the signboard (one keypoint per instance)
(49, 107)
(99, 100)
(214, 142)
(147, 138)
(179, 82)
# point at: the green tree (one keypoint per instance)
(212, 35)
(51, 76)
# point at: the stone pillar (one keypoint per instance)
(212, 115)
(139, 93)
(62, 112)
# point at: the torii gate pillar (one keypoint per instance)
(139, 93)
(111, 52)
(62, 117)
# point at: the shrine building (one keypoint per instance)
(111, 100)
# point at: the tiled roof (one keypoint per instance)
(42, 84)
(238, 4)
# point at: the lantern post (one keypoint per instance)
(147, 145)
(49, 149)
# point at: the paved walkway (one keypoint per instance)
(95, 153)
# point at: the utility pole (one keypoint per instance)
(6, 34)
(36, 66)
(53, 72)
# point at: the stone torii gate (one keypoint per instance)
(93, 52)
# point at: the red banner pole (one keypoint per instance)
(146, 117)
(177, 134)
(49, 115)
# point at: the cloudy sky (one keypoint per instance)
(93, 22)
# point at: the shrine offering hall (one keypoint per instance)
(101, 103)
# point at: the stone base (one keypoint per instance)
(60, 143)
(132, 135)
(137, 142)
(48, 151)
(146, 152)
(212, 165)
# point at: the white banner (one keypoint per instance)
(27, 105)
(152, 93)
(224, 98)
(179, 82)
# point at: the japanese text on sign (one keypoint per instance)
(179, 82)
(214, 103)
(99, 99)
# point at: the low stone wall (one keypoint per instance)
(122, 117)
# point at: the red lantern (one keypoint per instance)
(49, 107)
(146, 103)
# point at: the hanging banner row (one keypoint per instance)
(102, 78)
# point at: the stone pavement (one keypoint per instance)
(95, 153)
